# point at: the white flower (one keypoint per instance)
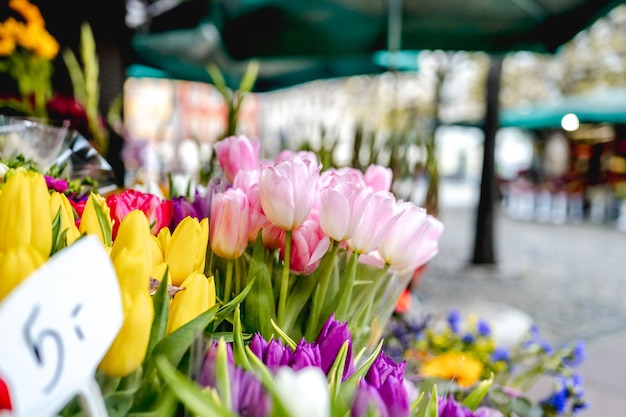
(304, 393)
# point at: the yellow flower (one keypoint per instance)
(129, 347)
(197, 296)
(60, 201)
(461, 366)
(91, 224)
(186, 251)
(164, 236)
(25, 213)
(33, 34)
(16, 264)
(132, 254)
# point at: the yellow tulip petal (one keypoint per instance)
(189, 303)
(186, 252)
(25, 212)
(60, 201)
(164, 238)
(133, 272)
(129, 347)
(16, 264)
(90, 221)
(134, 235)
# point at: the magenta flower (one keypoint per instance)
(448, 407)
(378, 177)
(56, 184)
(158, 211)
(237, 153)
(287, 191)
(228, 228)
(412, 240)
(330, 339)
(308, 246)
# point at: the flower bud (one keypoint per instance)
(186, 252)
(195, 298)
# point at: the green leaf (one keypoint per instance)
(191, 395)
(335, 373)
(222, 375)
(161, 301)
(432, 407)
(417, 402)
(175, 345)
(474, 398)
(249, 78)
(284, 336)
(227, 309)
(56, 233)
(239, 351)
(362, 370)
(260, 306)
(103, 221)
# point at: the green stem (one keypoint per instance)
(345, 291)
(320, 293)
(228, 287)
(284, 282)
(365, 299)
(238, 286)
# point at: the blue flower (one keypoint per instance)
(501, 354)
(577, 355)
(454, 320)
(468, 338)
(483, 328)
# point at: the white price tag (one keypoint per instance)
(56, 326)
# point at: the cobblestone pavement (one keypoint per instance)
(569, 278)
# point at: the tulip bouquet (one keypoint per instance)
(465, 351)
(317, 242)
(268, 253)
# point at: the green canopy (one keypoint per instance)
(298, 41)
(598, 106)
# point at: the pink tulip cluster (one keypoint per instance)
(292, 194)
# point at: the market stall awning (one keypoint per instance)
(297, 41)
(606, 105)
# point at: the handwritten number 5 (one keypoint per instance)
(35, 343)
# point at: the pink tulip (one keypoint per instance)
(273, 236)
(338, 205)
(378, 177)
(376, 214)
(287, 191)
(308, 246)
(158, 211)
(413, 240)
(228, 229)
(248, 182)
(237, 153)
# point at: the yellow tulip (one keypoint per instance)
(159, 271)
(60, 201)
(25, 213)
(197, 296)
(90, 224)
(186, 252)
(157, 252)
(164, 236)
(134, 235)
(129, 347)
(16, 264)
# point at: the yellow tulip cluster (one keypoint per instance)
(28, 212)
(30, 34)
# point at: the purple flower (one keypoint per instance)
(181, 209)
(273, 354)
(56, 184)
(330, 339)
(387, 377)
(306, 354)
(248, 396)
(448, 407)
(367, 398)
